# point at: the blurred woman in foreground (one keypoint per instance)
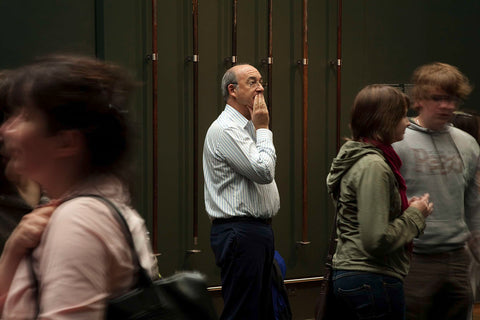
(69, 134)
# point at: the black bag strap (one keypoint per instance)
(143, 277)
(324, 285)
(332, 246)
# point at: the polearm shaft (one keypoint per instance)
(234, 33)
(270, 61)
(305, 124)
(154, 126)
(195, 120)
(339, 71)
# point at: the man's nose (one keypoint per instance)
(448, 105)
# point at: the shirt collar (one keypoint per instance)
(236, 116)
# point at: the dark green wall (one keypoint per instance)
(175, 88)
(110, 29)
(382, 43)
(31, 28)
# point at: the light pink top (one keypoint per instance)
(82, 259)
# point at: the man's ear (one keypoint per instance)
(69, 143)
(231, 90)
(416, 106)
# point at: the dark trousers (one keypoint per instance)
(244, 251)
(438, 286)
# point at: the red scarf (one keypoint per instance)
(395, 164)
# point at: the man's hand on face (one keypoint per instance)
(260, 117)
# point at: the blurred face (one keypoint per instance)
(249, 85)
(28, 144)
(400, 128)
(437, 110)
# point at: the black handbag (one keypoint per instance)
(182, 296)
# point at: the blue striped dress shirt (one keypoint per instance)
(239, 168)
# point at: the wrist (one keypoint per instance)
(11, 252)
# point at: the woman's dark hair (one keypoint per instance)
(6, 187)
(80, 93)
(5, 83)
(376, 111)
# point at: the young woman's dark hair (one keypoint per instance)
(376, 111)
(5, 82)
(84, 94)
(6, 186)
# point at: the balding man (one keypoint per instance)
(241, 195)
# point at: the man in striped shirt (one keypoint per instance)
(241, 195)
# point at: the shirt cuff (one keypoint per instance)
(264, 134)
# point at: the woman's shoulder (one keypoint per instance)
(93, 217)
(96, 212)
(372, 161)
(370, 166)
(82, 205)
(84, 219)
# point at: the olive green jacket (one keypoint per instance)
(373, 233)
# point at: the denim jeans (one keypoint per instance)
(365, 295)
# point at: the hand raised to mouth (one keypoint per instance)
(260, 116)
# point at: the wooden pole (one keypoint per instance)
(305, 124)
(270, 61)
(154, 126)
(195, 120)
(234, 33)
(339, 72)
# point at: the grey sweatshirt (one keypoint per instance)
(443, 163)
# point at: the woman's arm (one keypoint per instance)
(23, 238)
(380, 232)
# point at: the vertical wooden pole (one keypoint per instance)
(195, 120)
(270, 61)
(339, 72)
(305, 124)
(234, 32)
(154, 125)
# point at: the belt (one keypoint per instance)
(242, 219)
